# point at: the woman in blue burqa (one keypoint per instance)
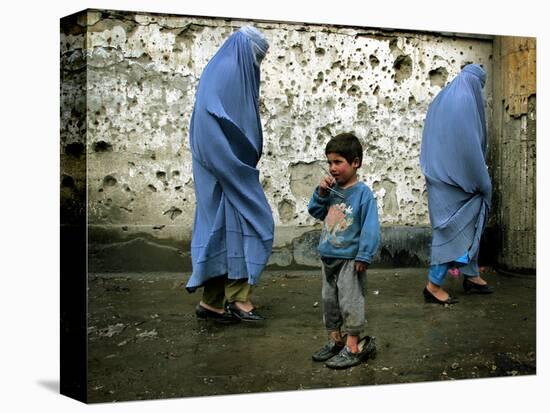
(233, 227)
(452, 159)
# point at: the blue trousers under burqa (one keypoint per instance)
(233, 227)
(454, 144)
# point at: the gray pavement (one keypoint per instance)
(144, 341)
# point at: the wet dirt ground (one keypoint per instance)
(144, 341)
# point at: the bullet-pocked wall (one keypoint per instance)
(317, 80)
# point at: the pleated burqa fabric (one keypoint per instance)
(233, 227)
(452, 158)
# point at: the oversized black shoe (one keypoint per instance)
(329, 350)
(471, 287)
(244, 315)
(367, 347)
(343, 360)
(430, 298)
(206, 314)
(346, 359)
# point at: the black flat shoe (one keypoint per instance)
(430, 298)
(244, 315)
(206, 314)
(471, 287)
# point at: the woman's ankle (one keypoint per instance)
(244, 305)
(477, 280)
(433, 288)
(211, 308)
(437, 291)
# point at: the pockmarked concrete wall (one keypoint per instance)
(317, 81)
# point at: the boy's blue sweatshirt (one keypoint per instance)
(351, 229)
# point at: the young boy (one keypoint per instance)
(349, 240)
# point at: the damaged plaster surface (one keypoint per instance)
(141, 71)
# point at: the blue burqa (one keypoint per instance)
(452, 158)
(233, 227)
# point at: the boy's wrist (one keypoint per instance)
(322, 192)
(363, 259)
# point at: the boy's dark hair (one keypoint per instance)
(346, 145)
